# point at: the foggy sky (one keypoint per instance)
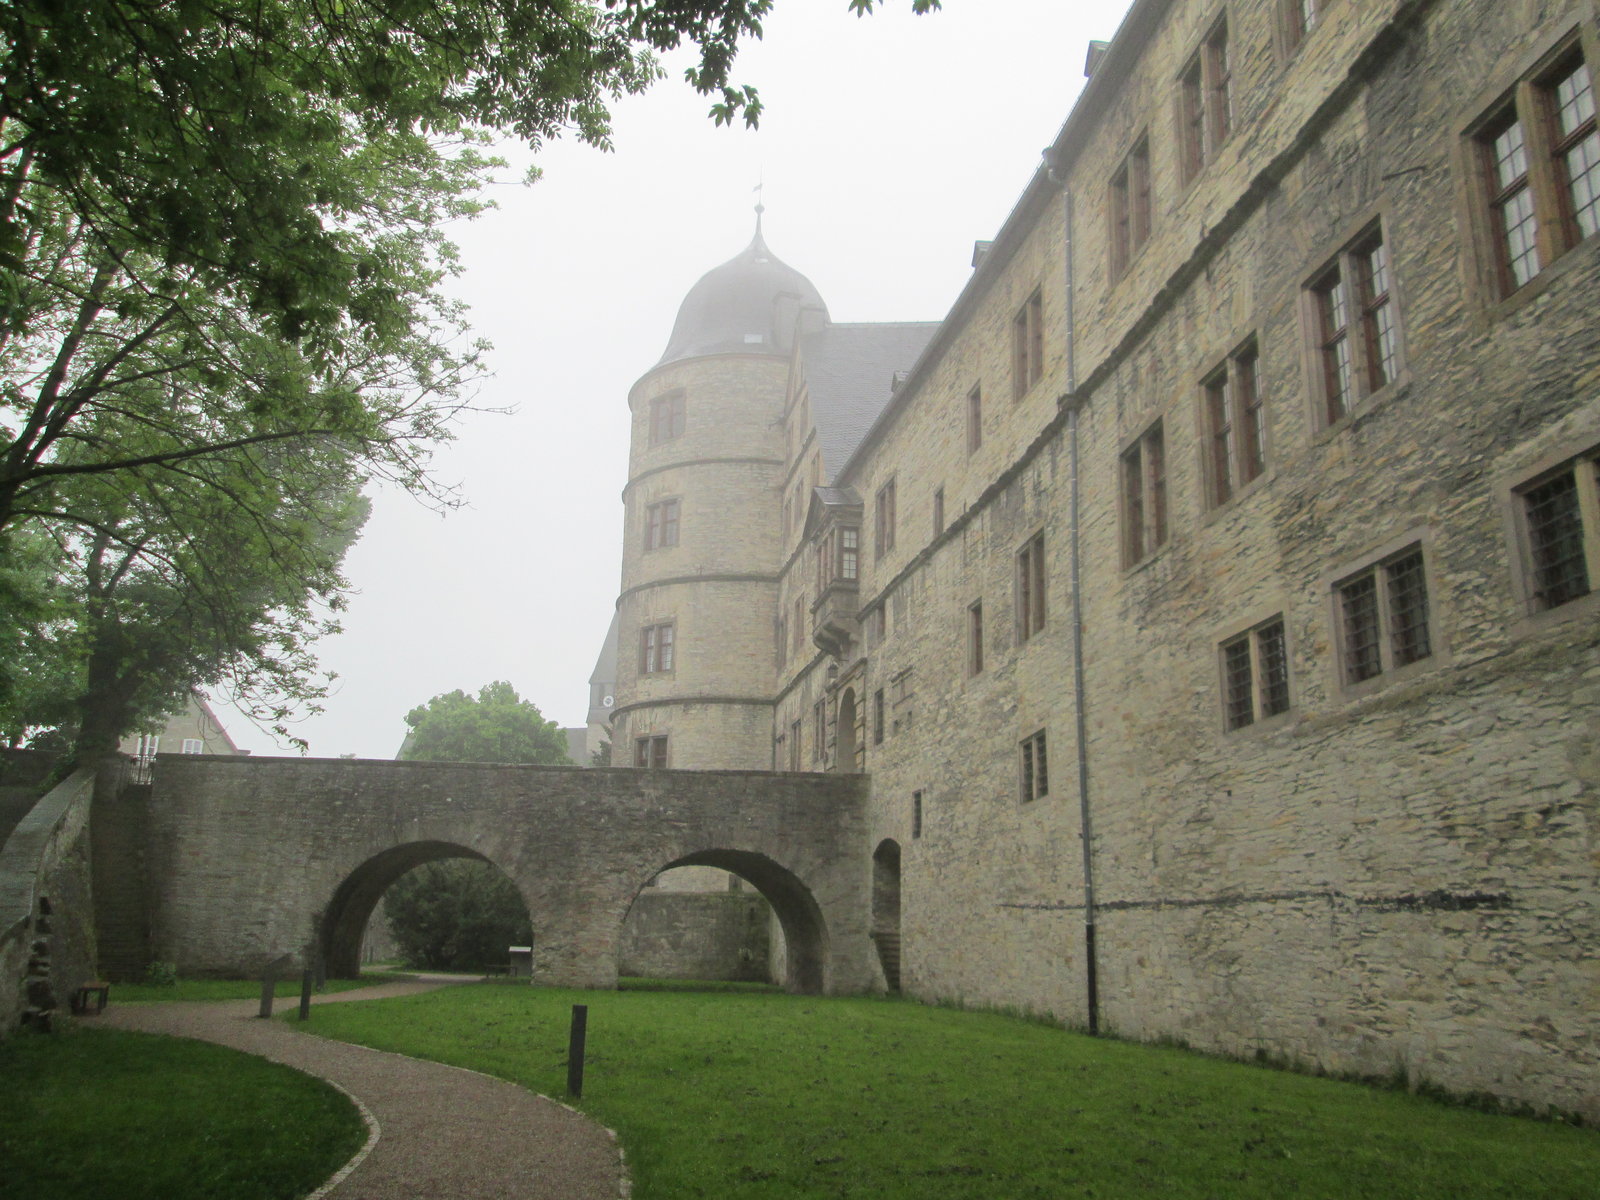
(888, 146)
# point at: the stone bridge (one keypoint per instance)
(223, 864)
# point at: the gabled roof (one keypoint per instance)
(849, 372)
(825, 499)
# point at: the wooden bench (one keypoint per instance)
(97, 991)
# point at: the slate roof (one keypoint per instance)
(849, 373)
(748, 305)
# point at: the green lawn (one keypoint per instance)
(92, 1113)
(235, 989)
(773, 1097)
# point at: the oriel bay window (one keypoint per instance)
(838, 556)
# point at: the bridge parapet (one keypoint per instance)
(250, 858)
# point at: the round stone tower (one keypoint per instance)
(696, 617)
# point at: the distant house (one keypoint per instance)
(195, 729)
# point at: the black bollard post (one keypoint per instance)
(575, 1044)
(269, 984)
(305, 993)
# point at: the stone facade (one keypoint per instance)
(1323, 780)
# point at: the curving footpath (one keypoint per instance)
(434, 1132)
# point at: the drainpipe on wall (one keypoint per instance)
(1090, 957)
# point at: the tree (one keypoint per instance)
(463, 914)
(208, 133)
(497, 726)
(456, 915)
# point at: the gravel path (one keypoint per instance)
(434, 1132)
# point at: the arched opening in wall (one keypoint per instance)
(886, 909)
(679, 934)
(845, 734)
(448, 907)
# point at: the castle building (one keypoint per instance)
(1211, 595)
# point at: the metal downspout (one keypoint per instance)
(1085, 815)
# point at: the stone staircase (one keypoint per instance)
(888, 942)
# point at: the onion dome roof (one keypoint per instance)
(748, 305)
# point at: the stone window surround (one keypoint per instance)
(1293, 27)
(658, 652)
(663, 522)
(883, 519)
(1155, 533)
(1373, 221)
(1512, 484)
(1031, 582)
(1417, 537)
(1130, 211)
(1033, 767)
(667, 417)
(1259, 618)
(974, 630)
(1226, 368)
(651, 752)
(1027, 344)
(1481, 261)
(1203, 95)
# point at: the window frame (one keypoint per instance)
(649, 747)
(1253, 638)
(1584, 467)
(668, 417)
(1129, 210)
(883, 519)
(974, 413)
(1027, 344)
(1033, 767)
(1529, 103)
(879, 717)
(974, 629)
(658, 654)
(1235, 437)
(1367, 352)
(1031, 581)
(1298, 20)
(1205, 101)
(1151, 517)
(1380, 568)
(663, 521)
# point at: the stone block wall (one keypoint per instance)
(1399, 873)
(689, 935)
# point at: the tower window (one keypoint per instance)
(661, 525)
(666, 417)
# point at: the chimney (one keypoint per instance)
(980, 251)
(1097, 52)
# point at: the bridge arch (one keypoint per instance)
(344, 921)
(805, 931)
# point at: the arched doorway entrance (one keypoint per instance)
(804, 934)
(343, 923)
(845, 734)
(886, 910)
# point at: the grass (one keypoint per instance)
(776, 1097)
(102, 1112)
(236, 989)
